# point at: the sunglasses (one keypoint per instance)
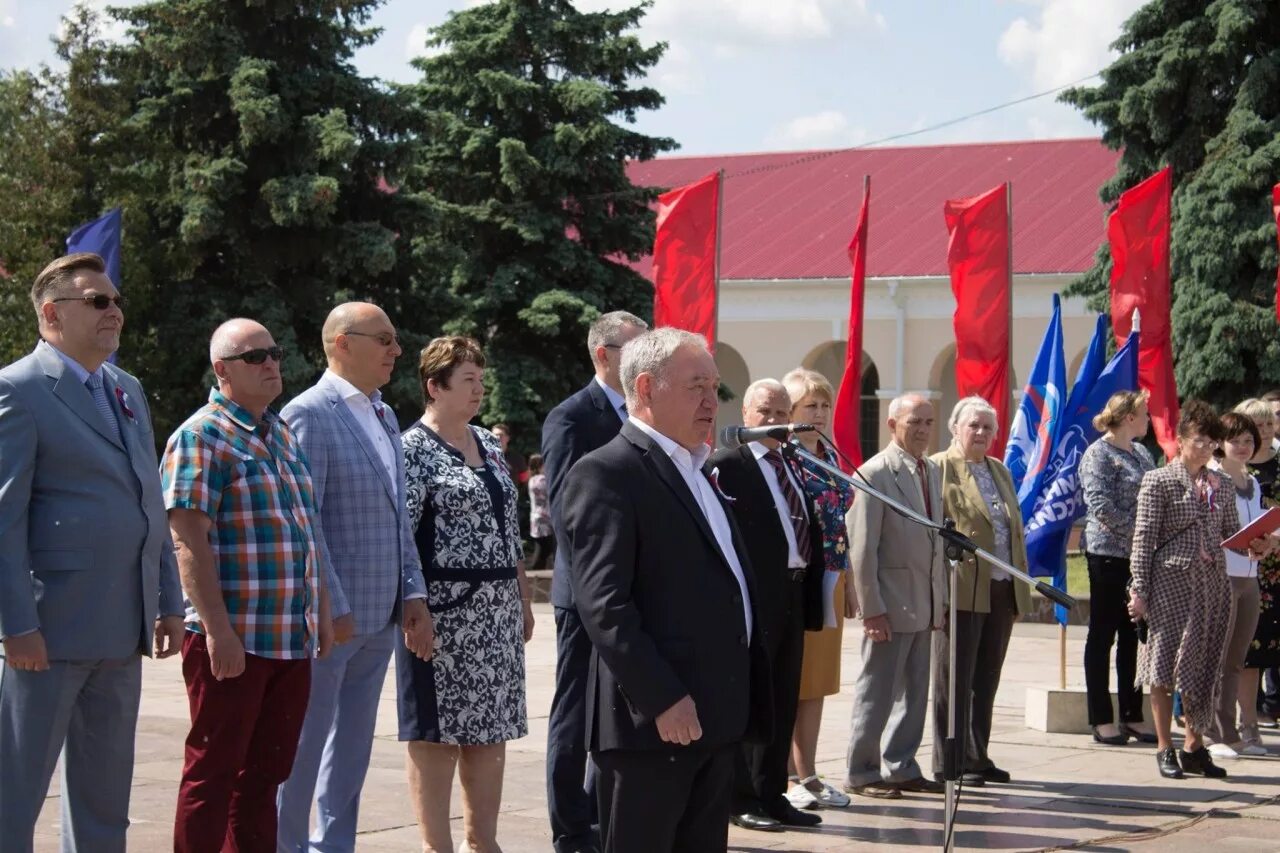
(386, 339)
(257, 356)
(98, 300)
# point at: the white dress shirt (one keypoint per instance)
(616, 400)
(770, 473)
(363, 408)
(689, 464)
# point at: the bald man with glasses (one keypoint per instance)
(88, 582)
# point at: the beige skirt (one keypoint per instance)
(820, 669)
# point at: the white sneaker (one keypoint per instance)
(801, 797)
(1222, 750)
(1246, 748)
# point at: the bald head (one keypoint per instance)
(360, 345)
(230, 337)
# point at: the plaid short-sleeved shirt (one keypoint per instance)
(252, 479)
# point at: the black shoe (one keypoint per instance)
(1140, 737)
(972, 779)
(1167, 761)
(1112, 740)
(758, 822)
(993, 774)
(1199, 761)
(788, 815)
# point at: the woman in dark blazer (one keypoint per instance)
(978, 492)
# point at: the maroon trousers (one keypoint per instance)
(244, 732)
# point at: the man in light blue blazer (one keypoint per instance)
(88, 580)
(352, 443)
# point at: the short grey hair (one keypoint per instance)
(650, 352)
(761, 385)
(897, 404)
(604, 330)
(970, 404)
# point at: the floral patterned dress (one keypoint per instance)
(472, 691)
(820, 670)
(1264, 651)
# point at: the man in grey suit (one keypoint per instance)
(352, 444)
(901, 583)
(88, 581)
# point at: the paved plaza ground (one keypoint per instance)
(1067, 791)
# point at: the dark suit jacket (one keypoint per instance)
(582, 423)
(753, 508)
(659, 602)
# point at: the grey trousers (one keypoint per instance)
(88, 711)
(981, 642)
(1247, 600)
(890, 698)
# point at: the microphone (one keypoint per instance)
(736, 436)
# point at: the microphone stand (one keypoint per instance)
(955, 545)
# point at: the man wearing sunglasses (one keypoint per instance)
(243, 514)
(88, 581)
(352, 443)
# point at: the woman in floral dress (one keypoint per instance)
(811, 401)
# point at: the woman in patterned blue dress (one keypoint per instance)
(463, 705)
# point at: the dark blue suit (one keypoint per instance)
(582, 423)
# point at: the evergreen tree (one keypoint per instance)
(249, 157)
(1197, 87)
(524, 116)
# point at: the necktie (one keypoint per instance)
(924, 486)
(94, 384)
(623, 410)
(795, 506)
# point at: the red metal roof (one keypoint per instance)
(794, 221)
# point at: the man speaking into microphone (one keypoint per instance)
(779, 525)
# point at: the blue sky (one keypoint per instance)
(767, 75)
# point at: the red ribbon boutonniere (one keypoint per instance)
(715, 484)
(123, 399)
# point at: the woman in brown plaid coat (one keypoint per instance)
(1180, 587)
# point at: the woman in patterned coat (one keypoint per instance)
(1180, 588)
(461, 707)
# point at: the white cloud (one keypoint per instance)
(1068, 39)
(8, 21)
(826, 129)
(1061, 42)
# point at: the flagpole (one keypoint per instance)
(719, 222)
(1008, 202)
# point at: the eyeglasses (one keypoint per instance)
(98, 300)
(386, 339)
(1202, 443)
(257, 356)
(612, 346)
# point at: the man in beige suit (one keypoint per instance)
(901, 583)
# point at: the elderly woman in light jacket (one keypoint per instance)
(978, 493)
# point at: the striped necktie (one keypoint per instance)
(95, 386)
(795, 505)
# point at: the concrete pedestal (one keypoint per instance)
(1064, 711)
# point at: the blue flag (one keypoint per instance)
(102, 237)
(1059, 501)
(1031, 438)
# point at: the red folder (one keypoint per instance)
(1261, 526)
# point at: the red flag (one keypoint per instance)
(1138, 232)
(684, 258)
(978, 257)
(1275, 211)
(844, 421)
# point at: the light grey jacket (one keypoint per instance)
(85, 552)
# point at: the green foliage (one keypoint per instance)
(1197, 87)
(524, 115)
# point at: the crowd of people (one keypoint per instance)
(699, 597)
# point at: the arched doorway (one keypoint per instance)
(828, 359)
(943, 379)
(735, 377)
